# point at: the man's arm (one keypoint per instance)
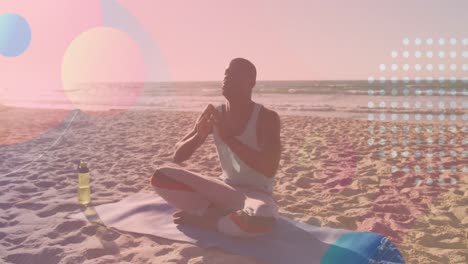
(195, 138)
(186, 147)
(266, 161)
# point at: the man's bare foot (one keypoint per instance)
(207, 221)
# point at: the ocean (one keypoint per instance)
(385, 101)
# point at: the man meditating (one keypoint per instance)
(247, 136)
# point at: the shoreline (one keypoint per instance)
(360, 115)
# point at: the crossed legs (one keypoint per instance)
(210, 203)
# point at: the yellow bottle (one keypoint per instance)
(84, 191)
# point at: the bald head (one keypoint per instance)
(239, 78)
(245, 68)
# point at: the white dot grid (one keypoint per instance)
(429, 92)
(453, 54)
(440, 181)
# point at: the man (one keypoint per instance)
(247, 138)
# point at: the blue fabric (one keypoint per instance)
(290, 242)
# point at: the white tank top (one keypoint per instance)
(235, 171)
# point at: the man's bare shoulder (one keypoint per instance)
(269, 132)
(269, 116)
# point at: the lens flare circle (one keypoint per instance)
(103, 69)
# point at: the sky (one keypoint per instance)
(286, 40)
(289, 40)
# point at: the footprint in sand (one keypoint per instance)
(16, 241)
(30, 206)
(45, 184)
(4, 183)
(68, 207)
(46, 255)
(92, 253)
(53, 235)
(90, 230)
(72, 239)
(127, 189)
(105, 194)
(303, 182)
(163, 251)
(69, 226)
(13, 223)
(27, 189)
(5, 206)
(129, 257)
(32, 177)
(109, 184)
(110, 235)
(9, 217)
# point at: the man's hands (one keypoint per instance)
(204, 124)
(209, 118)
(203, 127)
(220, 123)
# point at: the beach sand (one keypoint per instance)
(329, 176)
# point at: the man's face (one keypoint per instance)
(228, 82)
(235, 83)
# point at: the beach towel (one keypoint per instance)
(290, 241)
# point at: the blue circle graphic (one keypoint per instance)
(15, 35)
(362, 247)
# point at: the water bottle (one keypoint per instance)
(84, 191)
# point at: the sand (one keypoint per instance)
(329, 176)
